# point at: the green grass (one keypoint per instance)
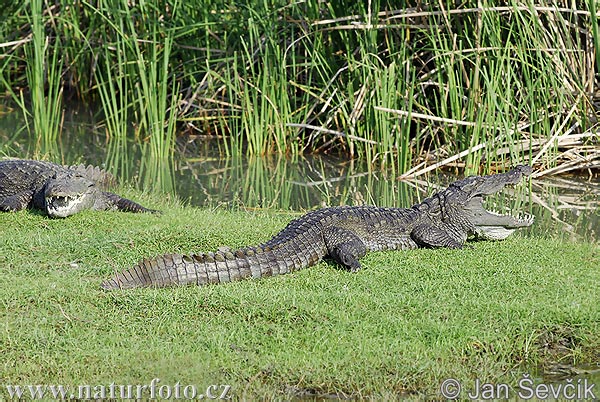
(402, 325)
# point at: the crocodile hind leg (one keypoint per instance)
(344, 247)
(16, 202)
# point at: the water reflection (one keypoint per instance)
(287, 183)
(569, 205)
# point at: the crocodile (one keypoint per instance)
(59, 190)
(345, 234)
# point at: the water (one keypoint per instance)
(566, 207)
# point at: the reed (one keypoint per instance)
(113, 85)
(406, 86)
(138, 95)
(43, 73)
(157, 97)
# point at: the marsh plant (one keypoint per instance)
(407, 85)
(43, 66)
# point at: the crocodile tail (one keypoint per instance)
(124, 204)
(201, 269)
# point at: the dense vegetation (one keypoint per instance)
(398, 83)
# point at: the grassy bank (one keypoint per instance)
(402, 325)
(400, 84)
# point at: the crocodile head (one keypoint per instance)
(488, 224)
(67, 194)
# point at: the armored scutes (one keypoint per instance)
(446, 219)
(58, 190)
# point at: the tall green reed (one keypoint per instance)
(138, 91)
(595, 32)
(113, 85)
(256, 79)
(158, 97)
(43, 74)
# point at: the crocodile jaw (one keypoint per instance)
(491, 225)
(61, 206)
(502, 231)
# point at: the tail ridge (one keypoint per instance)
(212, 267)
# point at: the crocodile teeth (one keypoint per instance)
(61, 206)
(526, 218)
(523, 218)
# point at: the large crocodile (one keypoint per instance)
(345, 234)
(58, 190)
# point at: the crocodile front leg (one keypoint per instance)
(344, 247)
(427, 235)
(16, 202)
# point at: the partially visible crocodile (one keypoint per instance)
(345, 234)
(58, 190)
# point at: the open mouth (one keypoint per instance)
(62, 206)
(492, 225)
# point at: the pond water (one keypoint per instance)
(567, 207)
